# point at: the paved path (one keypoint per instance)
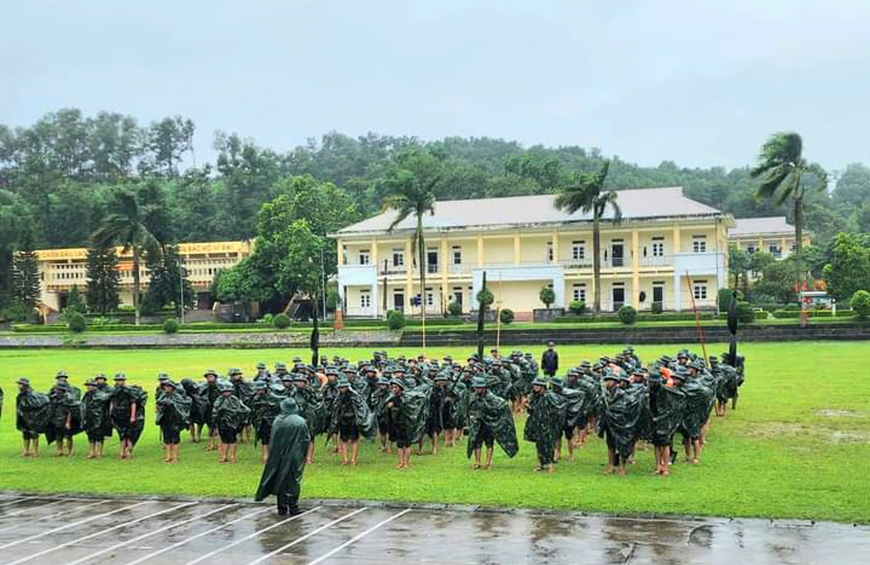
(58, 530)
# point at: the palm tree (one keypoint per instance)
(781, 167)
(129, 225)
(410, 195)
(589, 196)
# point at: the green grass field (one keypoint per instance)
(795, 447)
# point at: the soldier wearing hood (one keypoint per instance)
(95, 417)
(546, 410)
(282, 475)
(32, 414)
(230, 415)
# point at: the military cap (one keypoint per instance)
(300, 378)
(399, 369)
(540, 381)
(343, 382)
(211, 372)
(261, 366)
(162, 377)
(170, 383)
(225, 387)
(120, 377)
(61, 375)
(235, 371)
(297, 359)
(398, 382)
(383, 381)
(557, 382)
(479, 382)
(300, 366)
(440, 377)
(287, 378)
(280, 366)
(528, 355)
(90, 382)
(585, 364)
(610, 376)
(100, 376)
(331, 371)
(24, 381)
(681, 373)
(259, 385)
(370, 369)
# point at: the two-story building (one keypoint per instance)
(60, 269)
(770, 234)
(667, 249)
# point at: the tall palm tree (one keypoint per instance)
(410, 195)
(780, 170)
(129, 225)
(589, 196)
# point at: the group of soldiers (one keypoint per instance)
(403, 403)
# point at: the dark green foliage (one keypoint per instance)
(547, 296)
(627, 314)
(725, 297)
(506, 316)
(333, 300)
(641, 317)
(656, 308)
(168, 277)
(25, 277)
(745, 313)
(395, 320)
(103, 280)
(15, 311)
(860, 303)
(74, 302)
(849, 267)
(454, 308)
(577, 306)
(170, 326)
(485, 298)
(281, 321)
(76, 322)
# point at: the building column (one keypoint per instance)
(516, 248)
(555, 240)
(678, 292)
(782, 243)
(375, 301)
(409, 275)
(339, 254)
(635, 268)
(677, 241)
(444, 270)
(374, 254)
(761, 244)
(480, 250)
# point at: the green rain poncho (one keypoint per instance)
(545, 422)
(288, 448)
(95, 412)
(455, 404)
(174, 410)
(123, 399)
(575, 402)
(726, 382)
(363, 417)
(495, 412)
(199, 403)
(699, 400)
(310, 406)
(264, 407)
(618, 418)
(412, 412)
(667, 405)
(32, 411)
(230, 412)
(65, 407)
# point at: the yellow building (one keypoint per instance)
(60, 269)
(668, 249)
(771, 234)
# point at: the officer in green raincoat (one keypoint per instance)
(288, 450)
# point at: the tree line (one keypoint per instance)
(62, 177)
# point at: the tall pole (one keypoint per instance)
(180, 287)
(323, 282)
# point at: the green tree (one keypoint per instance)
(169, 283)
(26, 272)
(849, 269)
(411, 186)
(103, 280)
(781, 170)
(777, 281)
(739, 263)
(547, 296)
(74, 302)
(588, 195)
(131, 225)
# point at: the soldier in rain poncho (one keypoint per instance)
(95, 417)
(173, 415)
(574, 405)
(288, 450)
(310, 406)
(407, 412)
(244, 390)
(66, 417)
(667, 402)
(351, 419)
(265, 406)
(127, 411)
(546, 410)
(618, 416)
(32, 415)
(378, 400)
(229, 415)
(700, 397)
(490, 420)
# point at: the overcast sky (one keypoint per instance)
(646, 80)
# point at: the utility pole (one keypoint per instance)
(180, 287)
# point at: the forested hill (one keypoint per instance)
(58, 176)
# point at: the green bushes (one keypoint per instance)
(761, 315)
(795, 314)
(576, 306)
(656, 308)
(725, 297)
(860, 303)
(15, 311)
(170, 326)
(485, 298)
(506, 316)
(641, 317)
(547, 296)
(745, 313)
(627, 314)
(395, 320)
(281, 321)
(76, 322)
(266, 320)
(454, 308)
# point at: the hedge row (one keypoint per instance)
(794, 314)
(641, 317)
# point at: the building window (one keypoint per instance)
(700, 290)
(699, 244)
(658, 291)
(549, 251)
(750, 249)
(457, 255)
(398, 258)
(365, 299)
(579, 292)
(430, 297)
(364, 257)
(658, 247)
(578, 250)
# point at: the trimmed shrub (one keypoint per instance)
(395, 320)
(761, 315)
(506, 315)
(547, 296)
(333, 300)
(281, 321)
(454, 308)
(266, 319)
(656, 308)
(16, 312)
(745, 313)
(485, 298)
(76, 322)
(576, 306)
(725, 296)
(627, 314)
(860, 303)
(170, 326)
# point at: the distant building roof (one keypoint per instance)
(773, 225)
(492, 213)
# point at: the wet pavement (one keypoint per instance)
(58, 530)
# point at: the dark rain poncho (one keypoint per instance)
(209, 393)
(32, 411)
(199, 403)
(123, 399)
(699, 400)
(435, 419)
(310, 407)
(363, 418)
(575, 401)
(173, 411)
(288, 448)
(546, 420)
(667, 405)
(726, 383)
(244, 390)
(65, 407)
(95, 413)
(378, 401)
(455, 404)
(230, 412)
(618, 418)
(410, 413)
(264, 408)
(493, 411)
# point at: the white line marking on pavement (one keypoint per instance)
(306, 536)
(143, 536)
(50, 516)
(197, 536)
(13, 501)
(255, 534)
(358, 537)
(73, 525)
(24, 511)
(107, 530)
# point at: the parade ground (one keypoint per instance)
(129, 531)
(793, 449)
